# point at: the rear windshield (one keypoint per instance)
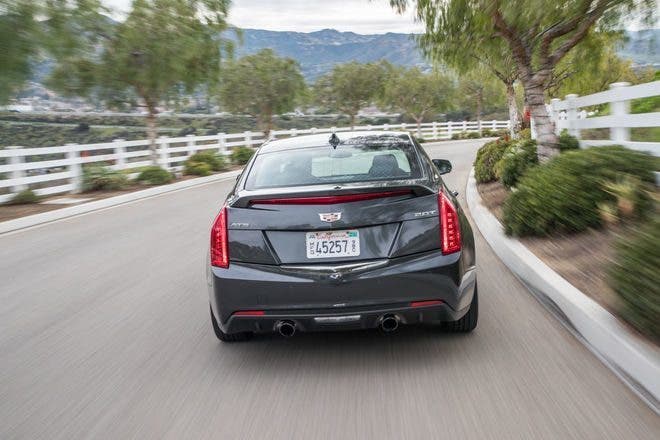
(353, 161)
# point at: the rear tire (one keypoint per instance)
(469, 321)
(225, 337)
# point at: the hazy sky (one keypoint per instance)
(360, 16)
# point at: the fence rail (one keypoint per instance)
(56, 170)
(569, 114)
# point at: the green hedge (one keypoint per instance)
(568, 142)
(25, 197)
(487, 157)
(154, 175)
(101, 178)
(215, 161)
(564, 195)
(516, 160)
(196, 168)
(241, 155)
(635, 277)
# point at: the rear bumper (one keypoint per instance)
(358, 296)
(354, 319)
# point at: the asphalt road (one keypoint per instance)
(105, 333)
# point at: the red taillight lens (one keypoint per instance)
(430, 302)
(249, 313)
(219, 248)
(450, 229)
(329, 200)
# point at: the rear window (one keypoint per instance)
(353, 161)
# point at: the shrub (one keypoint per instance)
(568, 142)
(635, 278)
(241, 155)
(154, 175)
(215, 161)
(487, 157)
(101, 178)
(196, 168)
(525, 133)
(473, 135)
(24, 197)
(517, 159)
(565, 194)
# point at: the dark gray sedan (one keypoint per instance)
(349, 231)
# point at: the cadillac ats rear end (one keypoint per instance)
(352, 231)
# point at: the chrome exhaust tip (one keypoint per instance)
(286, 328)
(389, 323)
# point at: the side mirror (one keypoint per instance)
(443, 165)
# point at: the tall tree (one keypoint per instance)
(30, 28)
(163, 49)
(478, 88)
(418, 95)
(262, 85)
(537, 35)
(351, 86)
(446, 43)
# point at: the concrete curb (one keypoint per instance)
(58, 214)
(631, 359)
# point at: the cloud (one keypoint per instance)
(360, 16)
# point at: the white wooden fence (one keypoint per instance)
(569, 114)
(56, 170)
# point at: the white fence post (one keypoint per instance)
(163, 154)
(386, 127)
(403, 126)
(494, 125)
(313, 130)
(16, 174)
(293, 132)
(572, 115)
(464, 125)
(191, 144)
(248, 138)
(435, 130)
(449, 130)
(554, 114)
(619, 108)
(120, 152)
(222, 147)
(75, 167)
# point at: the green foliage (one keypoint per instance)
(154, 175)
(519, 157)
(241, 155)
(487, 157)
(216, 162)
(635, 277)
(351, 86)
(416, 94)
(568, 142)
(24, 197)
(564, 195)
(262, 85)
(101, 178)
(479, 91)
(196, 168)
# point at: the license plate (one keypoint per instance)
(330, 244)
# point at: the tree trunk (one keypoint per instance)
(419, 126)
(352, 116)
(269, 125)
(547, 140)
(152, 133)
(514, 118)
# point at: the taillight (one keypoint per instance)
(450, 230)
(219, 248)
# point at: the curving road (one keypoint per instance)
(105, 333)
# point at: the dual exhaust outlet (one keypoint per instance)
(386, 323)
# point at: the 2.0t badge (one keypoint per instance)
(330, 216)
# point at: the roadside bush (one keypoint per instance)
(525, 133)
(487, 157)
(635, 278)
(101, 178)
(24, 197)
(196, 168)
(568, 142)
(517, 159)
(154, 175)
(241, 155)
(215, 161)
(568, 193)
(473, 135)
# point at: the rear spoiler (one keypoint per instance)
(326, 195)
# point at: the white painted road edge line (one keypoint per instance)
(59, 214)
(607, 337)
